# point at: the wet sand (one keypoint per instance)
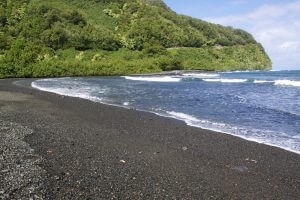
(77, 149)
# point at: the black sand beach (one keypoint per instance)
(55, 147)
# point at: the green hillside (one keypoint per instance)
(100, 37)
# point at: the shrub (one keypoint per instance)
(167, 63)
(55, 37)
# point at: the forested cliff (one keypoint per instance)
(99, 37)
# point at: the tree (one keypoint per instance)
(55, 37)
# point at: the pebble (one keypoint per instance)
(17, 170)
(241, 169)
(184, 148)
(5, 171)
(251, 160)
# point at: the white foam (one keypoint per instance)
(200, 123)
(153, 78)
(238, 71)
(184, 117)
(261, 136)
(201, 75)
(212, 80)
(226, 80)
(83, 93)
(262, 81)
(276, 70)
(288, 83)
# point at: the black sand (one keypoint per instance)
(87, 150)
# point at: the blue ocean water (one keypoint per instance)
(262, 106)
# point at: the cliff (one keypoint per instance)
(100, 37)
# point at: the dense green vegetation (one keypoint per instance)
(100, 37)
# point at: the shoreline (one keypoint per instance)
(171, 117)
(120, 152)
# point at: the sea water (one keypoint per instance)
(261, 106)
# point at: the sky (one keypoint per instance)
(274, 23)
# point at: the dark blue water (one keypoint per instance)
(258, 106)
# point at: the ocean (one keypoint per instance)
(261, 106)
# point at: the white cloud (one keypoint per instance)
(276, 26)
(290, 45)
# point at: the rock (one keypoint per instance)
(57, 177)
(241, 169)
(184, 148)
(251, 160)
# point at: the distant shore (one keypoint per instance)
(57, 147)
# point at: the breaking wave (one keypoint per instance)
(201, 75)
(226, 80)
(154, 78)
(288, 83)
(262, 81)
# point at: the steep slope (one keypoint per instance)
(100, 37)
